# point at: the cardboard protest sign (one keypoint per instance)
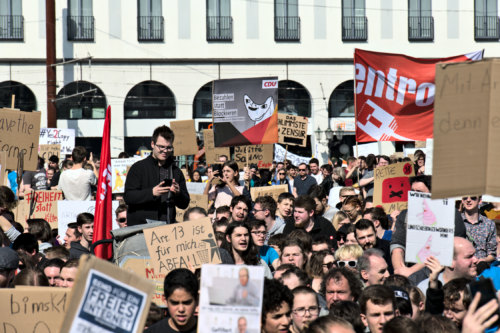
(430, 228)
(33, 309)
(39, 205)
(46, 151)
(120, 167)
(58, 136)
(262, 155)
(185, 137)
(391, 186)
(292, 130)
(466, 144)
(230, 294)
(273, 191)
(106, 298)
(245, 111)
(211, 152)
(143, 267)
(177, 245)
(196, 200)
(3, 169)
(19, 133)
(67, 211)
(279, 156)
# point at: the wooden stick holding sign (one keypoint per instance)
(13, 101)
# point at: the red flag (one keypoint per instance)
(103, 210)
(394, 95)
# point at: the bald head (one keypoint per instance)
(464, 262)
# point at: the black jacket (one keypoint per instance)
(142, 205)
(322, 227)
(77, 250)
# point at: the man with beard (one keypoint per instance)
(318, 193)
(240, 206)
(366, 236)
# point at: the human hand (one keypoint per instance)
(160, 189)
(246, 174)
(395, 215)
(433, 264)
(175, 188)
(478, 321)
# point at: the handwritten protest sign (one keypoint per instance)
(143, 267)
(19, 132)
(67, 211)
(39, 205)
(430, 228)
(185, 137)
(392, 184)
(177, 245)
(58, 136)
(211, 152)
(262, 155)
(196, 200)
(46, 151)
(292, 130)
(279, 155)
(273, 191)
(32, 309)
(106, 298)
(226, 301)
(120, 168)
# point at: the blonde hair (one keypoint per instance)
(348, 251)
(337, 218)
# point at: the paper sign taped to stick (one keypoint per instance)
(46, 151)
(196, 200)
(262, 155)
(273, 191)
(106, 298)
(120, 167)
(185, 137)
(62, 136)
(33, 309)
(229, 296)
(391, 187)
(182, 245)
(292, 130)
(39, 205)
(430, 229)
(142, 266)
(211, 152)
(19, 133)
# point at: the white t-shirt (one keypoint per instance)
(75, 184)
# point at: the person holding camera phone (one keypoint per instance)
(155, 185)
(224, 184)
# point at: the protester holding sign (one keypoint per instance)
(227, 186)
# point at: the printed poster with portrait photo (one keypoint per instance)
(231, 298)
(245, 111)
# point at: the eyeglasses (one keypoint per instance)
(281, 173)
(344, 263)
(302, 169)
(329, 264)
(258, 210)
(122, 219)
(313, 310)
(472, 198)
(165, 148)
(259, 233)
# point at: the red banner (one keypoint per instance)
(103, 218)
(394, 95)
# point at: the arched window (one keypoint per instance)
(341, 102)
(293, 98)
(149, 99)
(81, 100)
(25, 99)
(202, 104)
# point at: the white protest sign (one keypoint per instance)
(63, 136)
(429, 156)
(279, 156)
(430, 229)
(225, 300)
(120, 167)
(195, 188)
(377, 148)
(68, 210)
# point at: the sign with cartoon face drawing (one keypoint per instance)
(245, 111)
(392, 184)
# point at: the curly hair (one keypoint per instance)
(275, 294)
(338, 273)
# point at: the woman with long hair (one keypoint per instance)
(239, 244)
(318, 265)
(227, 186)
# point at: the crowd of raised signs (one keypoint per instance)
(333, 261)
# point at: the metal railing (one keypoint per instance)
(486, 28)
(11, 27)
(354, 28)
(286, 28)
(420, 28)
(80, 28)
(219, 28)
(150, 28)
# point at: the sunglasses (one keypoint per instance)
(344, 263)
(302, 169)
(472, 198)
(329, 265)
(122, 219)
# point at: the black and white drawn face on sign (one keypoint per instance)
(259, 112)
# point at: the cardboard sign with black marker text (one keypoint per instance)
(273, 191)
(392, 183)
(46, 151)
(39, 205)
(292, 130)
(262, 155)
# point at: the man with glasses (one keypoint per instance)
(480, 229)
(303, 182)
(155, 185)
(305, 309)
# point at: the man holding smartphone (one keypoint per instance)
(155, 185)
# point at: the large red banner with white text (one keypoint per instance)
(394, 95)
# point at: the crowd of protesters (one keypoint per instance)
(333, 261)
